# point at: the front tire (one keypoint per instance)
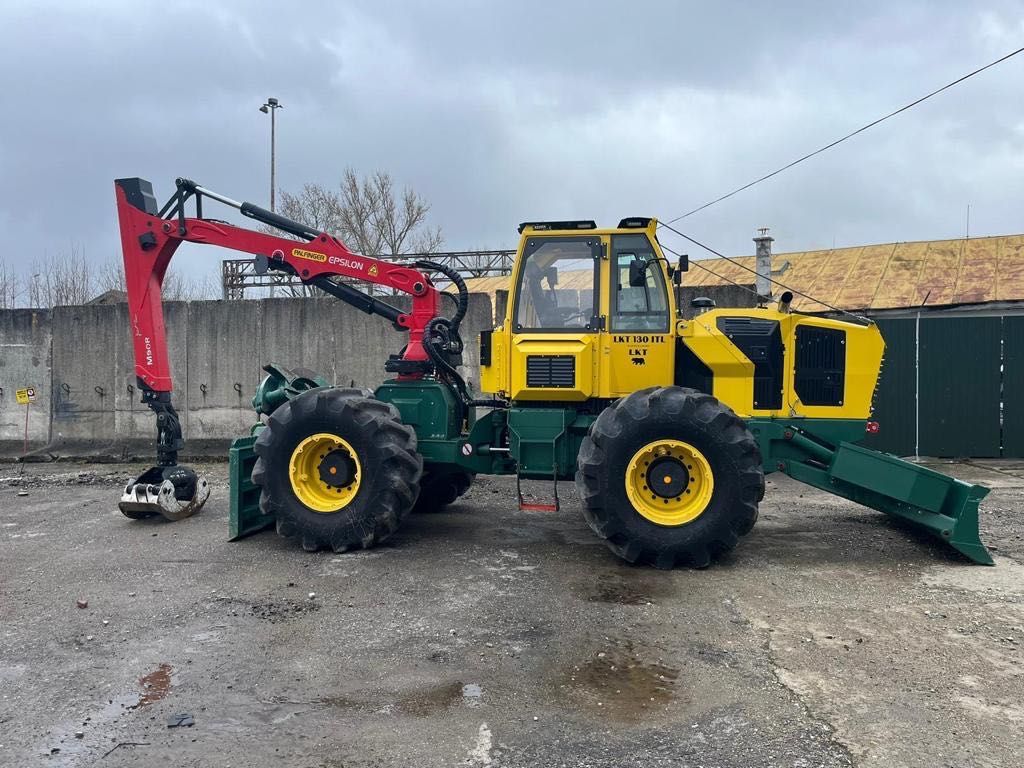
(669, 476)
(337, 469)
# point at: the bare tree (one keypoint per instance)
(70, 278)
(180, 287)
(315, 205)
(66, 278)
(175, 287)
(110, 277)
(377, 221)
(367, 214)
(8, 286)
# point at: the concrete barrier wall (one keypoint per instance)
(80, 361)
(25, 344)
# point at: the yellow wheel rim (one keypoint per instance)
(669, 482)
(325, 472)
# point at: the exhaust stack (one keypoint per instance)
(764, 264)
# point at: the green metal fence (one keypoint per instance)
(952, 386)
(895, 399)
(1013, 386)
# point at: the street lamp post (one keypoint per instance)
(272, 106)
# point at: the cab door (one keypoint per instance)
(555, 319)
(638, 346)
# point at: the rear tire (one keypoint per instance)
(721, 444)
(438, 490)
(385, 469)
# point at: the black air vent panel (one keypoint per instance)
(820, 365)
(761, 341)
(557, 371)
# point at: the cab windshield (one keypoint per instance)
(556, 284)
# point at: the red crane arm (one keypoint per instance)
(149, 240)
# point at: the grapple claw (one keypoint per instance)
(139, 502)
(174, 492)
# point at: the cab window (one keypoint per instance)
(556, 284)
(641, 307)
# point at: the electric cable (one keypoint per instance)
(838, 141)
(771, 279)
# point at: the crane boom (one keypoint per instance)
(149, 238)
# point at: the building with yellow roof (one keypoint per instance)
(863, 278)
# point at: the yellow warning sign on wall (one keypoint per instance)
(25, 396)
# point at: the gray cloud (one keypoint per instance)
(502, 112)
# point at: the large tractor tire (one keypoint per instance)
(439, 489)
(337, 469)
(669, 476)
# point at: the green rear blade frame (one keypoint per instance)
(244, 517)
(821, 453)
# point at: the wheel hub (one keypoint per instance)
(667, 477)
(337, 469)
(669, 482)
(324, 472)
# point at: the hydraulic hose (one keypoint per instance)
(436, 333)
(462, 305)
(442, 338)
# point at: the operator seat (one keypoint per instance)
(544, 303)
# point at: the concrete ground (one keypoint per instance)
(483, 636)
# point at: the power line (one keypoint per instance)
(733, 261)
(723, 278)
(844, 138)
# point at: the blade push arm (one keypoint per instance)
(149, 238)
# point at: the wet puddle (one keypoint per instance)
(615, 589)
(421, 702)
(471, 693)
(284, 610)
(429, 701)
(338, 702)
(620, 683)
(95, 726)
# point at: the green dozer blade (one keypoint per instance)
(278, 387)
(942, 505)
(937, 503)
(245, 516)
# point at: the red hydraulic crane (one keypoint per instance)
(149, 238)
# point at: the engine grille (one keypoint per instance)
(820, 377)
(551, 371)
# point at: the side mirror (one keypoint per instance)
(551, 273)
(677, 278)
(684, 263)
(637, 273)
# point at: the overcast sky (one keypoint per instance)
(498, 112)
